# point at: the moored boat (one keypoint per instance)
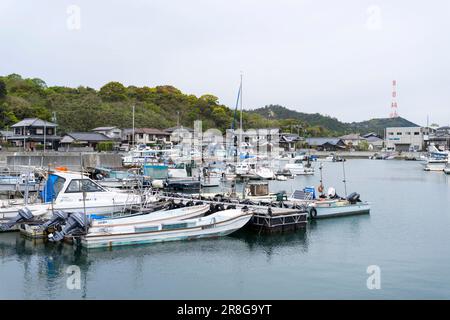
(73, 192)
(218, 224)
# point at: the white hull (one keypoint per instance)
(122, 223)
(45, 210)
(434, 166)
(205, 227)
(333, 210)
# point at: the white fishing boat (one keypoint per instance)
(298, 168)
(73, 192)
(447, 167)
(435, 164)
(330, 205)
(218, 224)
(333, 158)
(117, 224)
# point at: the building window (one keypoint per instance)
(408, 133)
(416, 133)
(39, 131)
(399, 133)
(390, 133)
(141, 136)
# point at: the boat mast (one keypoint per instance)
(240, 127)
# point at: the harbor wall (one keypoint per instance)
(71, 160)
(360, 154)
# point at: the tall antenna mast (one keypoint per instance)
(394, 113)
(240, 126)
(133, 127)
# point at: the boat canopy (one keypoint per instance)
(52, 188)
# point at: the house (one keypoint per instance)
(145, 136)
(4, 134)
(352, 140)
(83, 139)
(289, 140)
(371, 134)
(33, 133)
(179, 131)
(405, 138)
(439, 137)
(375, 143)
(111, 132)
(325, 144)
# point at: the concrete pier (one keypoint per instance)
(71, 160)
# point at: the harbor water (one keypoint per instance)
(406, 235)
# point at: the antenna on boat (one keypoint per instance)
(84, 193)
(240, 124)
(345, 181)
(321, 178)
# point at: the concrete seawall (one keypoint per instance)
(71, 160)
(361, 154)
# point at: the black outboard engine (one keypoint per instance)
(23, 215)
(353, 198)
(75, 222)
(58, 218)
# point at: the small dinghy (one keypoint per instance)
(218, 224)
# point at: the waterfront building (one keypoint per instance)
(34, 133)
(288, 141)
(145, 136)
(73, 140)
(406, 138)
(326, 144)
(439, 137)
(352, 140)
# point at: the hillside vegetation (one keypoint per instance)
(84, 108)
(333, 125)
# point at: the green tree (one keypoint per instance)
(363, 145)
(113, 92)
(3, 90)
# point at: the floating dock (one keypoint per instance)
(278, 220)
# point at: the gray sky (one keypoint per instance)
(333, 57)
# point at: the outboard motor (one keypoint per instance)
(59, 217)
(353, 198)
(76, 221)
(23, 215)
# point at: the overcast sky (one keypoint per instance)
(333, 57)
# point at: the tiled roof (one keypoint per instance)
(34, 122)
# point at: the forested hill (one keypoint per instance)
(332, 124)
(84, 108)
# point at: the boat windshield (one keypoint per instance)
(52, 188)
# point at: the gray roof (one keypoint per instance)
(373, 139)
(5, 133)
(352, 136)
(34, 122)
(322, 141)
(104, 128)
(88, 136)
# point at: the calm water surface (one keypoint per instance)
(407, 235)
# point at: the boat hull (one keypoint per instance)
(205, 231)
(339, 211)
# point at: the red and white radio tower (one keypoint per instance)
(394, 113)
